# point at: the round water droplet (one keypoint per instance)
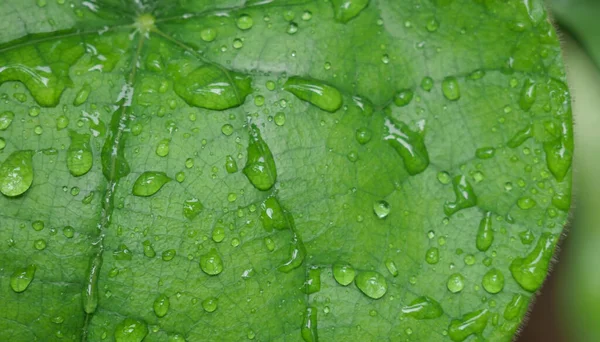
(161, 305)
(162, 149)
(131, 330)
(392, 268)
(432, 25)
(68, 232)
(307, 15)
(381, 209)
(39, 244)
(210, 304)
(403, 97)
(270, 244)
(343, 273)
(423, 308)
(279, 118)
(21, 278)
(526, 203)
(38, 225)
(292, 28)
(450, 88)
(208, 34)
(493, 281)
(456, 283)
(227, 129)
(237, 43)
(244, 22)
(363, 135)
(192, 208)
(211, 263)
(432, 256)
(169, 254)
(371, 283)
(427, 83)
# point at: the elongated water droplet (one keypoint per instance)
(82, 95)
(465, 196)
(6, 118)
(528, 95)
(79, 155)
(309, 325)
(131, 330)
(391, 267)
(297, 250)
(148, 249)
(191, 208)
(316, 92)
(559, 152)
(90, 289)
(520, 137)
(16, 173)
(456, 283)
(211, 262)
(162, 149)
(346, 10)
(169, 254)
(371, 283)
(114, 164)
(485, 152)
(408, 144)
(516, 307)
(450, 88)
(312, 284)
(423, 308)
(211, 87)
(260, 166)
(471, 323)
(161, 305)
(381, 209)
(149, 182)
(218, 234)
(210, 304)
(485, 234)
(21, 278)
(432, 256)
(493, 281)
(530, 271)
(230, 164)
(343, 273)
(272, 215)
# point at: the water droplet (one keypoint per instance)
(162, 149)
(297, 250)
(427, 83)
(516, 307)
(526, 203)
(38, 225)
(210, 304)
(528, 95)
(6, 119)
(211, 87)
(493, 281)
(432, 256)
(403, 97)
(559, 152)
(161, 305)
(450, 88)
(169, 254)
(218, 234)
(423, 308)
(408, 144)
(272, 215)
(530, 271)
(279, 118)
(208, 34)
(343, 273)
(465, 196)
(471, 323)
(21, 278)
(381, 209)
(260, 167)
(485, 152)
(82, 95)
(211, 262)
(432, 25)
(371, 283)
(485, 234)
(148, 249)
(191, 208)
(391, 267)
(456, 283)
(312, 284)
(317, 93)
(79, 155)
(292, 28)
(346, 10)
(230, 164)
(16, 173)
(520, 137)
(444, 177)
(270, 85)
(309, 325)
(363, 135)
(227, 129)
(149, 182)
(39, 244)
(131, 330)
(122, 253)
(237, 43)
(68, 232)
(244, 22)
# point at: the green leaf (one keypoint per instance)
(404, 169)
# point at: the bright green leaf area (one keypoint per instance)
(149, 148)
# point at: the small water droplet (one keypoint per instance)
(79, 155)
(210, 304)
(227, 129)
(6, 119)
(493, 281)
(312, 284)
(485, 234)
(432, 256)
(82, 95)
(516, 307)
(469, 324)
(244, 22)
(279, 118)
(450, 88)
(456, 283)
(408, 144)
(161, 305)
(270, 244)
(528, 95)
(39, 244)
(427, 83)
(208, 34)
(149, 183)
(68, 232)
(169, 254)
(526, 203)
(485, 152)
(131, 330)
(381, 209)
(346, 10)
(191, 208)
(363, 135)
(21, 278)
(403, 97)
(272, 215)
(162, 149)
(391, 267)
(211, 262)
(309, 325)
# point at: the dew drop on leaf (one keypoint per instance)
(526, 203)
(191, 208)
(169, 254)
(208, 34)
(309, 325)
(423, 308)
(16, 173)
(210, 304)
(528, 95)
(260, 166)
(161, 305)
(315, 92)
(82, 95)
(312, 283)
(516, 307)
(456, 283)
(38, 225)
(530, 271)
(408, 144)
(485, 234)
(465, 196)
(79, 155)
(343, 273)
(493, 281)
(211, 262)
(272, 215)
(363, 135)
(162, 149)
(485, 152)
(244, 22)
(450, 88)
(6, 119)
(391, 267)
(149, 183)
(469, 324)
(68, 232)
(432, 256)
(131, 330)
(148, 249)
(427, 83)
(346, 10)
(39, 244)
(371, 283)
(21, 278)
(403, 97)
(381, 209)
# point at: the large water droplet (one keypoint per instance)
(423, 308)
(161, 305)
(6, 119)
(363, 135)
(530, 271)
(343, 273)
(471, 323)
(21, 278)
(244, 22)
(493, 281)
(272, 215)
(345, 10)
(316, 92)
(528, 95)
(381, 209)
(230, 164)
(485, 234)
(191, 208)
(211, 262)
(79, 155)
(450, 88)
(432, 256)
(131, 330)
(149, 182)
(371, 283)
(162, 149)
(456, 283)
(409, 145)
(465, 196)
(16, 173)
(211, 87)
(260, 166)
(90, 289)
(403, 97)
(309, 325)
(210, 304)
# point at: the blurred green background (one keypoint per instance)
(568, 308)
